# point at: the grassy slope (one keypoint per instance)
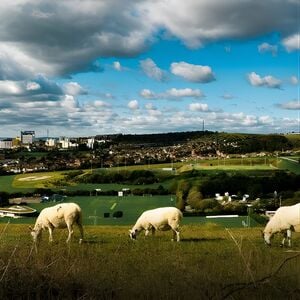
(287, 164)
(209, 263)
(15, 183)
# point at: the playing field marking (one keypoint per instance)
(113, 206)
(33, 178)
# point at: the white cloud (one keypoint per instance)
(266, 47)
(117, 66)
(198, 22)
(11, 88)
(187, 92)
(294, 80)
(32, 86)
(147, 94)
(265, 120)
(152, 70)
(198, 107)
(133, 104)
(292, 42)
(193, 73)
(291, 105)
(73, 88)
(173, 94)
(227, 96)
(150, 106)
(268, 81)
(69, 103)
(64, 37)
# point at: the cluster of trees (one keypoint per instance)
(247, 143)
(199, 194)
(136, 177)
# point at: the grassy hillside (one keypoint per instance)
(57, 180)
(209, 263)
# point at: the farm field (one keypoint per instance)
(209, 263)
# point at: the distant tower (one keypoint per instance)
(203, 126)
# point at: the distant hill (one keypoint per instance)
(222, 141)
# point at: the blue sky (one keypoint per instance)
(81, 68)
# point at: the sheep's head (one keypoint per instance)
(132, 234)
(267, 238)
(35, 234)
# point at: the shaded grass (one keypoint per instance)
(206, 265)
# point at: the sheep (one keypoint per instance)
(59, 216)
(285, 220)
(163, 218)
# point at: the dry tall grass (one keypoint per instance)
(209, 263)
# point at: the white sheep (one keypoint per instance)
(285, 219)
(63, 215)
(163, 218)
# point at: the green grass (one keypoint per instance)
(132, 206)
(36, 180)
(56, 180)
(291, 164)
(209, 263)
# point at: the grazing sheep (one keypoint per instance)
(285, 220)
(163, 218)
(59, 216)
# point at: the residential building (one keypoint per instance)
(27, 137)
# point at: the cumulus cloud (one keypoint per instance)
(117, 66)
(198, 107)
(11, 88)
(268, 81)
(150, 68)
(146, 93)
(64, 37)
(198, 22)
(227, 96)
(291, 105)
(292, 42)
(133, 104)
(74, 88)
(32, 86)
(173, 93)
(266, 47)
(150, 106)
(181, 93)
(193, 73)
(294, 80)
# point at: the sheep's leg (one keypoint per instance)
(153, 231)
(81, 232)
(70, 230)
(50, 234)
(289, 237)
(148, 229)
(176, 234)
(284, 234)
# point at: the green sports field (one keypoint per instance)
(94, 209)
